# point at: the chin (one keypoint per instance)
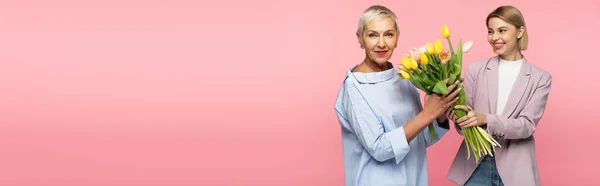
(380, 60)
(499, 52)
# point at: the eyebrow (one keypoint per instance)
(384, 31)
(499, 28)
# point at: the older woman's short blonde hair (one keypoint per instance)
(513, 16)
(373, 13)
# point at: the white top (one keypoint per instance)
(508, 71)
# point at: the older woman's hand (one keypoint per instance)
(436, 105)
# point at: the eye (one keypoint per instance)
(502, 30)
(372, 35)
(389, 34)
(490, 31)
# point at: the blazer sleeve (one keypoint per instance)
(524, 125)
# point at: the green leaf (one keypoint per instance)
(459, 54)
(427, 80)
(433, 62)
(417, 82)
(431, 132)
(441, 88)
(451, 78)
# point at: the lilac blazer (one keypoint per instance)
(514, 129)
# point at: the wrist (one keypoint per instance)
(428, 117)
(484, 119)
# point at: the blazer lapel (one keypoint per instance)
(518, 89)
(492, 83)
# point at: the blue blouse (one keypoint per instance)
(372, 108)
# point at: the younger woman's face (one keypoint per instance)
(503, 37)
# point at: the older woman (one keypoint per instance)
(380, 114)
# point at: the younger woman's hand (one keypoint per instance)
(472, 119)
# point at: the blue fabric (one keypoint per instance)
(485, 174)
(371, 109)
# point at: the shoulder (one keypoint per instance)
(478, 64)
(347, 86)
(541, 75)
(349, 78)
(540, 72)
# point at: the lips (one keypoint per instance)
(380, 53)
(498, 46)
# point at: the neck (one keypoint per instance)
(513, 56)
(374, 66)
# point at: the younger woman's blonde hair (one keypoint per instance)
(373, 13)
(513, 16)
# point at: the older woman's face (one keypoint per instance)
(379, 39)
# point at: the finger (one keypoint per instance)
(451, 87)
(453, 94)
(462, 119)
(466, 118)
(452, 102)
(452, 116)
(463, 124)
(462, 80)
(462, 107)
(469, 123)
(447, 112)
(470, 114)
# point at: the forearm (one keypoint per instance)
(510, 128)
(417, 125)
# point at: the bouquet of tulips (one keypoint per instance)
(428, 67)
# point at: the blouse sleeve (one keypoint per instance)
(355, 113)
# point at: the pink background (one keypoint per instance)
(203, 93)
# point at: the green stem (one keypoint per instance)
(450, 45)
(431, 132)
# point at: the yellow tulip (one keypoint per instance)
(429, 48)
(424, 59)
(406, 63)
(445, 32)
(405, 74)
(414, 63)
(438, 47)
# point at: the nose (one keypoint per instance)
(381, 42)
(495, 36)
